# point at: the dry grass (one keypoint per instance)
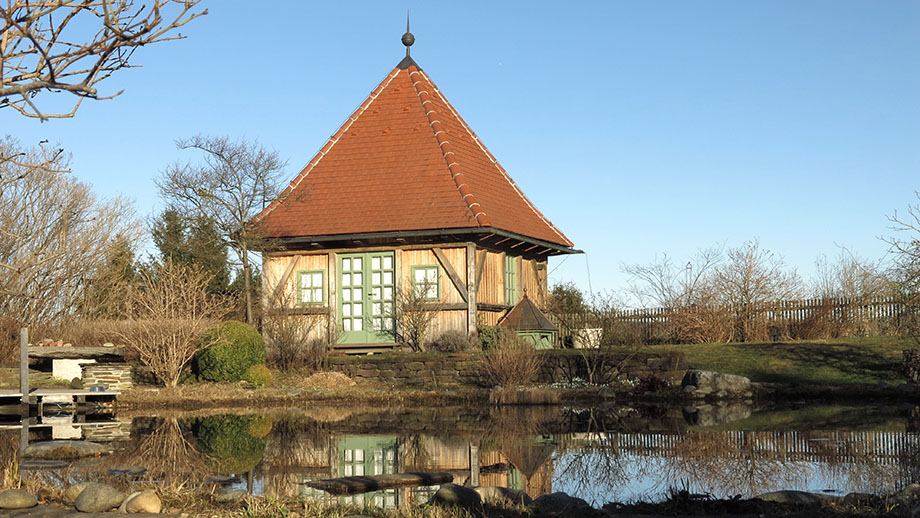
(511, 362)
(328, 380)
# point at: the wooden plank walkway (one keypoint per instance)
(353, 485)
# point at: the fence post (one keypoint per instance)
(24, 387)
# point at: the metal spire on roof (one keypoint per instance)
(407, 39)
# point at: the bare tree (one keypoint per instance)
(415, 310)
(54, 235)
(73, 45)
(749, 283)
(905, 247)
(171, 310)
(668, 285)
(233, 183)
(688, 293)
(849, 277)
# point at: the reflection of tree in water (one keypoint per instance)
(165, 448)
(593, 460)
(9, 459)
(297, 447)
(854, 458)
(518, 433)
(730, 463)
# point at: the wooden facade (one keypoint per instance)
(475, 285)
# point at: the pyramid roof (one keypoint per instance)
(405, 161)
(526, 316)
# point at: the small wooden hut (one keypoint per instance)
(403, 194)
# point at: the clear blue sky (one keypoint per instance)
(637, 127)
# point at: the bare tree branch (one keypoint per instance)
(45, 45)
(234, 181)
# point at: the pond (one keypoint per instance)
(610, 454)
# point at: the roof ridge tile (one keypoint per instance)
(444, 145)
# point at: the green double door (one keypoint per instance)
(367, 287)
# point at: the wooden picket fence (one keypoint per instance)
(784, 319)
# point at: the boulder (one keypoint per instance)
(458, 496)
(17, 499)
(64, 449)
(72, 492)
(709, 381)
(495, 494)
(797, 497)
(145, 501)
(98, 498)
(560, 503)
(709, 415)
(232, 495)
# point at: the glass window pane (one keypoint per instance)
(359, 470)
(387, 262)
(375, 278)
(376, 308)
(317, 295)
(318, 279)
(356, 264)
(357, 279)
(388, 293)
(304, 281)
(359, 455)
(357, 309)
(419, 275)
(348, 470)
(388, 324)
(358, 293)
(346, 310)
(375, 294)
(346, 265)
(346, 295)
(377, 324)
(359, 324)
(347, 323)
(346, 279)
(388, 277)
(375, 263)
(432, 274)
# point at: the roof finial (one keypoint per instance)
(407, 39)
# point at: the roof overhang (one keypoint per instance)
(485, 237)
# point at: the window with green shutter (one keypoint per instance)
(426, 280)
(510, 280)
(310, 287)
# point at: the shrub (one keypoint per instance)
(259, 376)
(649, 383)
(910, 365)
(228, 443)
(296, 341)
(489, 336)
(235, 347)
(455, 342)
(511, 362)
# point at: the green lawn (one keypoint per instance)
(845, 361)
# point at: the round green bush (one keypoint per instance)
(227, 443)
(235, 347)
(259, 376)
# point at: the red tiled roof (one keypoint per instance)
(405, 160)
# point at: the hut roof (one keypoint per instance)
(526, 316)
(405, 161)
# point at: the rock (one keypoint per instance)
(559, 503)
(98, 498)
(454, 495)
(76, 383)
(17, 499)
(64, 449)
(145, 501)
(709, 415)
(123, 508)
(716, 382)
(72, 492)
(862, 499)
(233, 495)
(797, 497)
(495, 494)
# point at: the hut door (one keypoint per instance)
(366, 288)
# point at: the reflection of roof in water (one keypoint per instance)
(528, 455)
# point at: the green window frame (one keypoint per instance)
(311, 287)
(430, 274)
(510, 280)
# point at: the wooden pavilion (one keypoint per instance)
(403, 194)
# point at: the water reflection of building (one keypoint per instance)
(289, 461)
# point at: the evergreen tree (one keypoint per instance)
(104, 294)
(193, 241)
